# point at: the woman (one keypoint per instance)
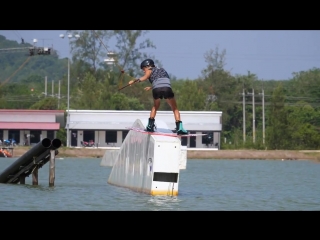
(161, 88)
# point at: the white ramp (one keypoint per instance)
(148, 163)
(109, 158)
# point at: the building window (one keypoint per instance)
(35, 136)
(50, 134)
(1, 136)
(14, 134)
(184, 141)
(124, 134)
(111, 136)
(88, 136)
(207, 139)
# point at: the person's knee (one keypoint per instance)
(174, 108)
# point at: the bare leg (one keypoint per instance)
(173, 104)
(156, 105)
(179, 128)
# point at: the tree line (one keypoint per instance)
(275, 114)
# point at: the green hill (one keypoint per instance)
(16, 63)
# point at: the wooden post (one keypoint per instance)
(35, 180)
(34, 172)
(52, 168)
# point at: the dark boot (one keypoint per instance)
(150, 126)
(179, 129)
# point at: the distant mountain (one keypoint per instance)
(20, 61)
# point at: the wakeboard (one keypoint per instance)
(165, 132)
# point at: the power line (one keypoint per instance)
(262, 57)
(17, 33)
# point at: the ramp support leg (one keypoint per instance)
(22, 179)
(52, 168)
(35, 180)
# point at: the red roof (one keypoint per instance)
(29, 126)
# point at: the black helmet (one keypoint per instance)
(147, 62)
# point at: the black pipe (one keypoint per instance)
(14, 178)
(26, 158)
(55, 144)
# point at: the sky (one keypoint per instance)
(269, 54)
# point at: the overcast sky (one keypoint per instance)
(269, 54)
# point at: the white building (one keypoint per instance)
(108, 128)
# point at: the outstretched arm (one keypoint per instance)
(146, 76)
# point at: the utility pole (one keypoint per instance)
(253, 117)
(244, 115)
(68, 106)
(52, 88)
(59, 95)
(45, 86)
(263, 117)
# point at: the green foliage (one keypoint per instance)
(191, 97)
(307, 84)
(278, 121)
(48, 103)
(120, 101)
(62, 135)
(92, 48)
(89, 93)
(304, 126)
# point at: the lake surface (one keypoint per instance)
(206, 185)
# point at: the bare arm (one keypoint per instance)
(146, 76)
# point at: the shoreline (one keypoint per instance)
(256, 154)
(203, 153)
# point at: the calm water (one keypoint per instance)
(208, 185)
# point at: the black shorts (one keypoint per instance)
(164, 92)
